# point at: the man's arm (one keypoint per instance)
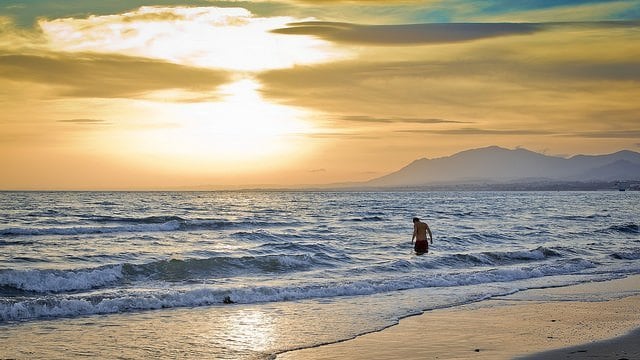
(430, 236)
(415, 232)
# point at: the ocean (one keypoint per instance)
(246, 275)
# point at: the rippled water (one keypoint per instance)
(304, 267)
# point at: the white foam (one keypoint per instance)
(59, 280)
(293, 261)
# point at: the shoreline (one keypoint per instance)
(597, 318)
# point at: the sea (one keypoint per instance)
(248, 275)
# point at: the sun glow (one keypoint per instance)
(212, 130)
(242, 133)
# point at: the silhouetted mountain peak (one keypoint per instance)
(498, 164)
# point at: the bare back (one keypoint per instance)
(420, 230)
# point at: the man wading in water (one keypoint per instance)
(420, 230)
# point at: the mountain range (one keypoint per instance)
(499, 165)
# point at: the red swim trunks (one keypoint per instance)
(421, 246)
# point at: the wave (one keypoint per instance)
(629, 228)
(60, 280)
(296, 247)
(260, 235)
(105, 203)
(503, 257)
(366, 219)
(112, 224)
(172, 225)
(191, 224)
(9, 242)
(477, 238)
(465, 260)
(582, 217)
(137, 300)
(627, 255)
(173, 270)
(136, 220)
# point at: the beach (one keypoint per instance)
(592, 320)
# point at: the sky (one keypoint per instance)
(119, 95)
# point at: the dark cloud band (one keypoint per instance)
(407, 34)
(431, 33)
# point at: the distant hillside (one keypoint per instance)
(499, 165)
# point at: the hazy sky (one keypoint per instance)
(105, 94)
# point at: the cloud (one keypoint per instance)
(609, 134)
(12, 37)
(615, 70)
(622, 116)
(407, 34)
(552, 10)
(373, 119)
(363, 2)
(432, 33)
(84, 121)
(478, 131)
(214, 37)
(46, 133)
(554, 81)
(36, 9)
(342, 135)
(373, 89)
(404, 89)
(106, 76)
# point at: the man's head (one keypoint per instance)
(415, 220)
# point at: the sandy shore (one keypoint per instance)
(573, 321)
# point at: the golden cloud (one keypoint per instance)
(106, 76)
(226, 38)
(553, 79)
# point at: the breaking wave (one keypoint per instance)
(172, 270)
(117, 302)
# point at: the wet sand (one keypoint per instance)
(573, 321)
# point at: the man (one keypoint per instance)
(420, 230)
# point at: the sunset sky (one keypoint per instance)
(98, 94)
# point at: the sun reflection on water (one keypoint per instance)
(249, 329)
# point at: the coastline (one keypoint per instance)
(597, 319)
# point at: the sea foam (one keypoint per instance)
(60, 280)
